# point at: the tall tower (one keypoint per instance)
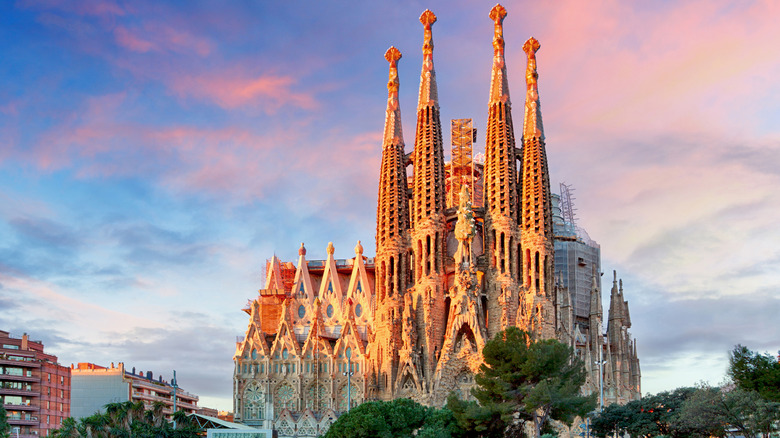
(501, 208)
(392, 238)
(427, 216)
(537, 311)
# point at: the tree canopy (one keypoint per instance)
(691, 412)
(128, 419)
(397, 418)
(5, 428)
(526, 379)
(752, 371)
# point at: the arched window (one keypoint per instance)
(254, 354)
(254, 401)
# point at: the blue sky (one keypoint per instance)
(154, 155)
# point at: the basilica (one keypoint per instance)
(457, 261)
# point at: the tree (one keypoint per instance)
(716, 411)
(613, 420)
(752, 371)
(129, 420)
(522, 378)
(397, 418)
(651, 416)
(5, 428)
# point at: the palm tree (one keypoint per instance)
(68, 429)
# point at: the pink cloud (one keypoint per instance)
(642, 70)
(159, 37)
(130, 41)
(232, 90)
(100, 8)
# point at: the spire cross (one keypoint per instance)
(497, 14)
(427, 19)
(392, 56)
(530, 48)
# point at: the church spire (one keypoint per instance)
(428, 204)
(392, 210)
(536, 231)
(393, 134)
(532, 124)
(428, 195)
(500, 191)
(429, 94)
(392, 237)
(499, 85)
(535, 191)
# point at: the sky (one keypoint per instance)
(154, 154)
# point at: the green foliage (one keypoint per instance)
(752, 371)
(525, 379)
(651, 416)
(714, 411)
(5, 428)
(479, 421)
(691, 412)
(128, 420)
(397, 418)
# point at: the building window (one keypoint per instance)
(285, 353)
(254, 354)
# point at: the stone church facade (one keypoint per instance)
(324, 335)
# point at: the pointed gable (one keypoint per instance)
(273, 278)
(285, 336)
(349, 336)
(303, 288)
(331, 292)
(360, 288)
(314, 341)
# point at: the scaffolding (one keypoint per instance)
(567, 204)
(461, 172)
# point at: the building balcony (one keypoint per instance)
(25, 363)
(16, 378)
(14, 391)
(24, 407)
(16, 420)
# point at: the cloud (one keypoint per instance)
(46, 232)
(161, 37)
(97, 8)
(231, 89)
(682, 341)
(86, 318)
(130, 41)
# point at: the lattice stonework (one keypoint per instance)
(254, 401)
(284, 397)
